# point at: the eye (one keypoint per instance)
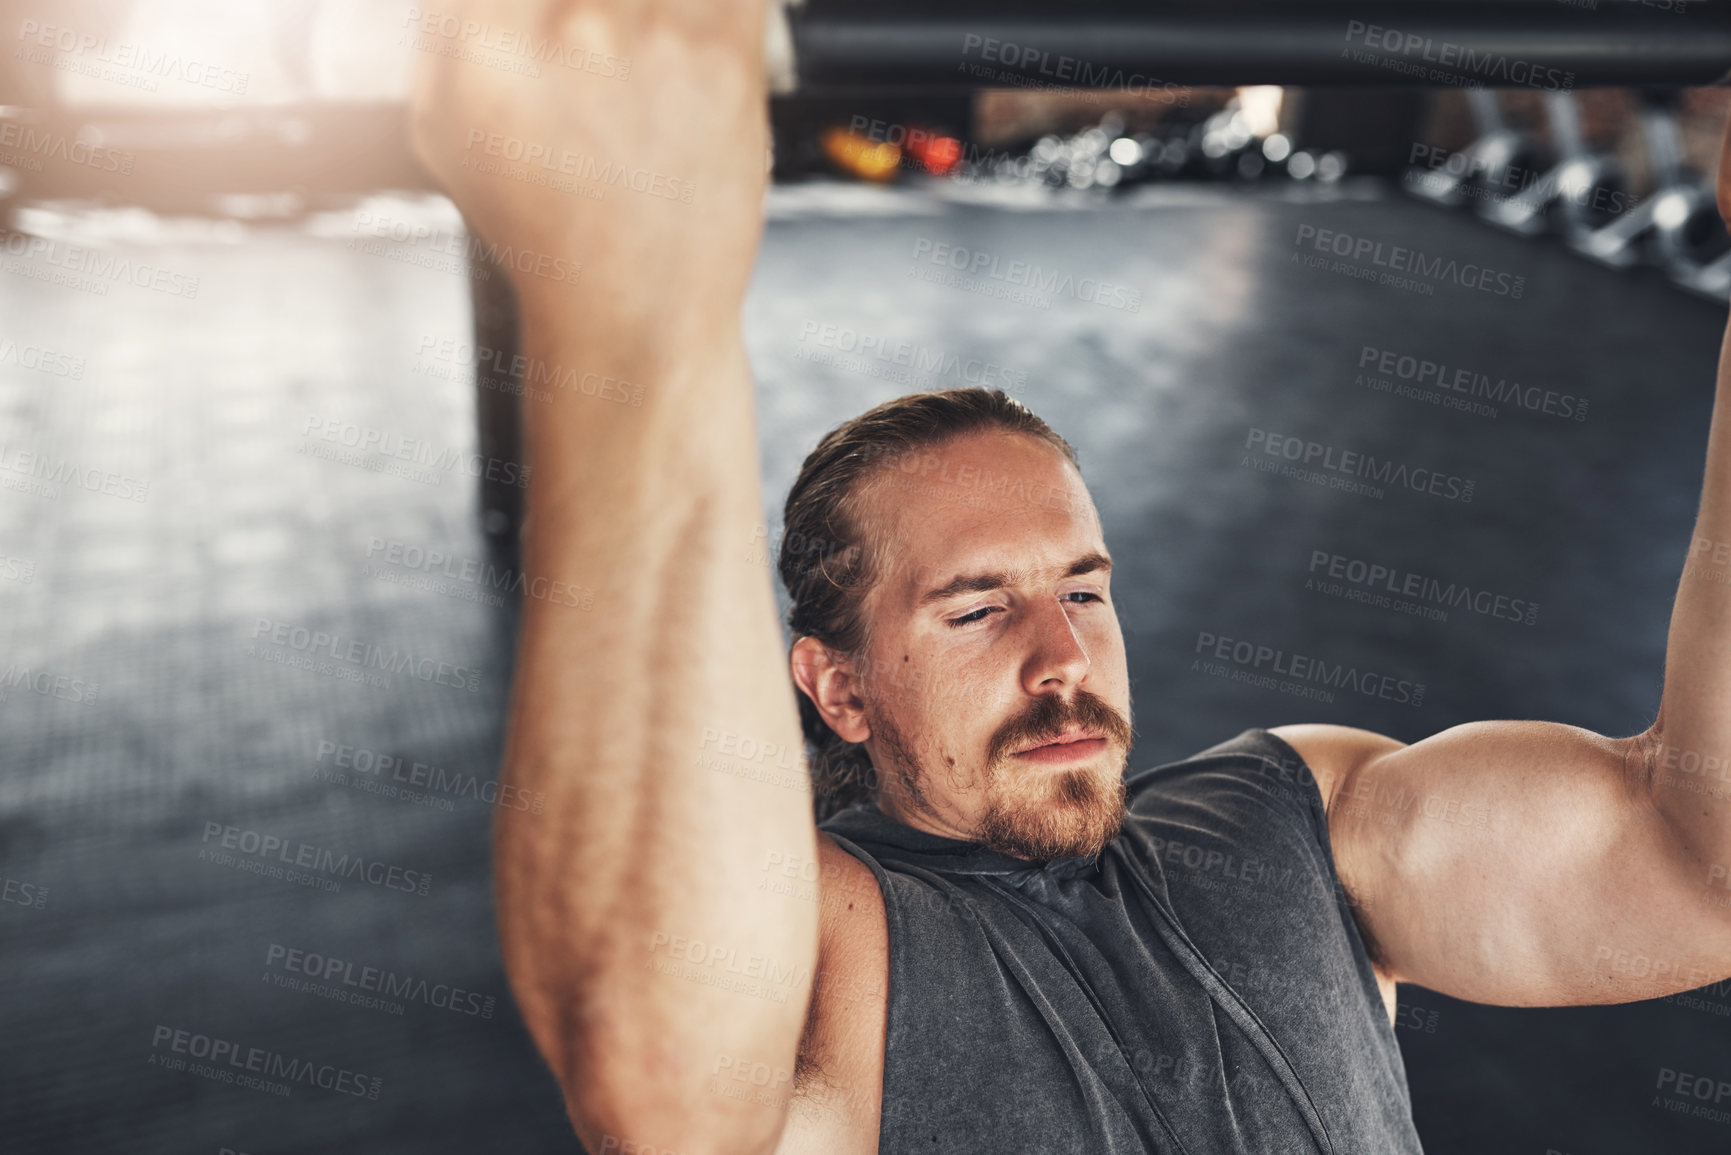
(1086, 596)
(978, 615)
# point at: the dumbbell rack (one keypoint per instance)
(1676, 227)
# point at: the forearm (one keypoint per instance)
(644, 844)
(1689, 750)
(640, 847)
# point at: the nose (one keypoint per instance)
(1056, 660)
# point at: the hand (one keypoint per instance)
(659, 106)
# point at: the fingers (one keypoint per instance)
(737, 23)
(595, 126)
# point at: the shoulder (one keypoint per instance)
(1333, 754)
(1259, 769)
(850, 899)
(852, 932)
(1246, 827)
(838, 1073)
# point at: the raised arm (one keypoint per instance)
(1530, 863)
(642, 950)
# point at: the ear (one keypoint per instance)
(828, 680)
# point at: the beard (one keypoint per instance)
(1031, 813)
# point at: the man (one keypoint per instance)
(1000, 941)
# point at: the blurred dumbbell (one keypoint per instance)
(1679, 220)
(1487, 170)
(1583, 190)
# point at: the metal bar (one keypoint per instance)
(1438, 44)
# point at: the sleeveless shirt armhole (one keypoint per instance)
(1289, 755)
(1344, 898)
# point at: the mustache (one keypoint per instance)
(1046, 718)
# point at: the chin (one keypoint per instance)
(1068, 814)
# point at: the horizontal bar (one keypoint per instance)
(1432, 44)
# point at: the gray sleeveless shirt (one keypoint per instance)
(1200, 988)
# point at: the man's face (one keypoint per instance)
(995, 685)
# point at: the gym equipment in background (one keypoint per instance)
(1483, 169)
(1665, 215)
(1581, 193)
(1587, 198)
(867, 45)
(1688, 236)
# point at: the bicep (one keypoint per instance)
(1523, 864)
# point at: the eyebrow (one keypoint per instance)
(982, 582)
